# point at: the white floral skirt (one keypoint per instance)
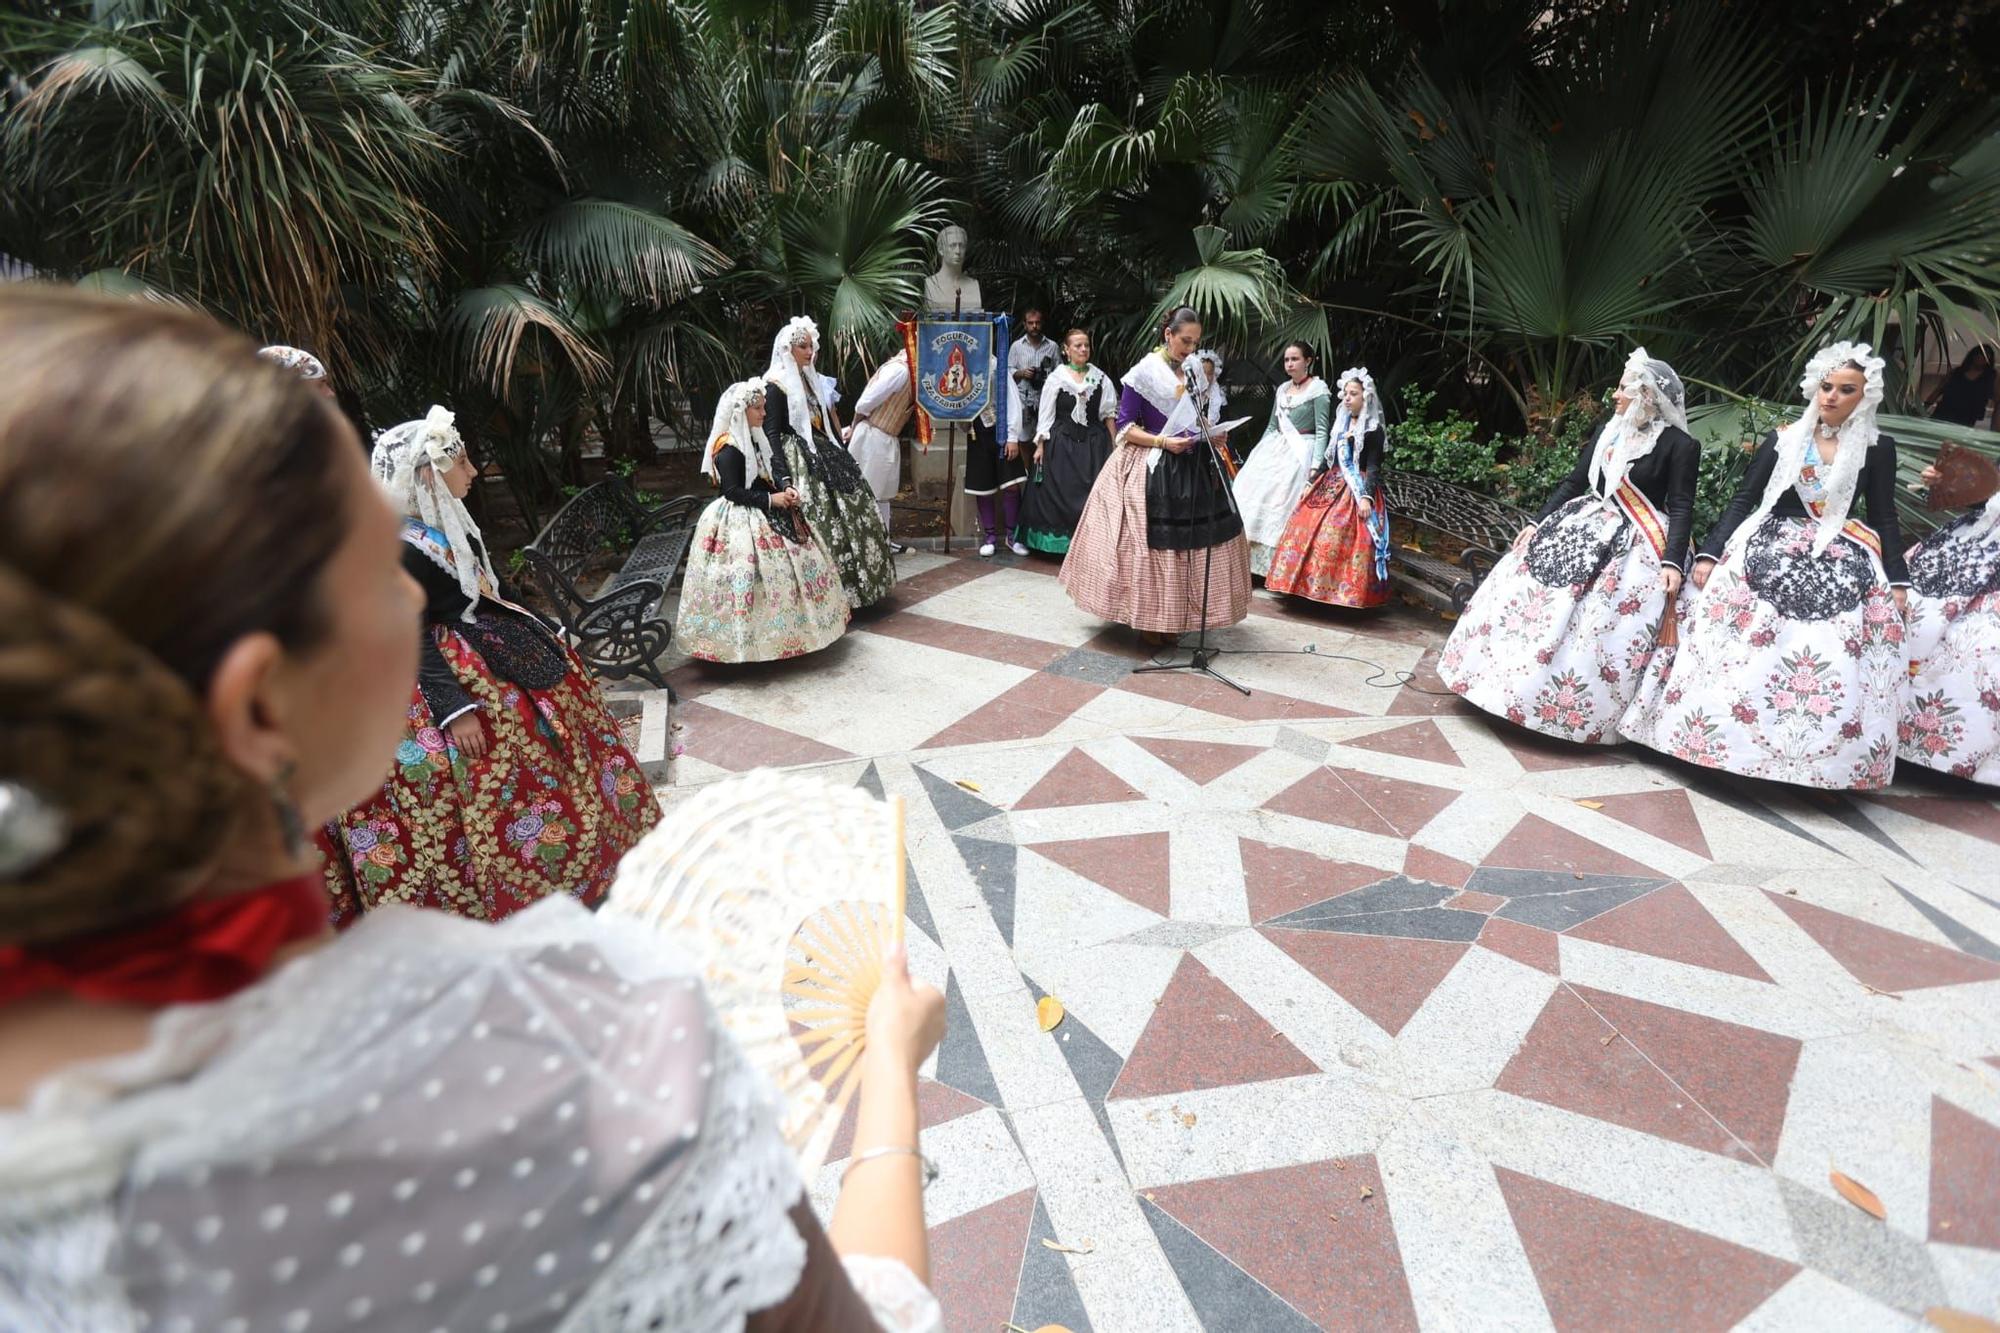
(751, 595)
(1790, 666)
(1951, 721)
(1560, 631)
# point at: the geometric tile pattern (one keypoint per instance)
(1381, 1014)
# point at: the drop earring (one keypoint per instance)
(291, 827)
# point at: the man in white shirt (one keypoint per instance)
(875, 437)
(1029, 362)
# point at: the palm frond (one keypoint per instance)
(613, 246)
(485, 328)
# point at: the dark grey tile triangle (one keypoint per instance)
(870, 781)
(1399, 906)
(1093, 1063)
(961, 1059)
(956, 806)
(1047, 1293)
(1852, 815)
(992, 867)
(1964, 936)
(1225, 1298)
(1741, 796)
(918, 907)
(1558, 899)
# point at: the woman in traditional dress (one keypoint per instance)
(1274, 477)
(1159, 521)
(512, 783)
(1074, 432)
(214, 1115)
(759, 585)
(995, 472)
(1951, 721)
(838, 504)
(1559, 634)
(1791, 662)
(1335, 548)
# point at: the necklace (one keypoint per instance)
(1827, 432)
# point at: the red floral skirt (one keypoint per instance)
(553, 805)
(1326, 554)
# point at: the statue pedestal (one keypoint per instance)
(928, 477)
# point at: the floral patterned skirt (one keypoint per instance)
(1559, 633)
(751, 595)
(1790, 666)
(1326, 553)
(1951, 721)
(840, 508)
(551, 807)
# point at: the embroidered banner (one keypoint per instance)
(955, 367)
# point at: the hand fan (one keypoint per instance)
(788, 894)
(1965, 478)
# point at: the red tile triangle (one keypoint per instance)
(1536, 844)
(1602, 1265)
(1667, 815)
(1322, 796)
(1885, 959)
(1202, 1035)
(1198, 761)
(1076, 779)
(1386, 978)
(1418, 740)
(1132, 865)
(1671, 923)
(1573, 1059)
(937, 1104)
(1284, 879)
(976, 1261)
(1423, 863)
(1522, 943)
(1405, 806)
(1279, 1226)
(1741, 1076)
(1979, 819)
(1965, 1177)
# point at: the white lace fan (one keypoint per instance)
(788, 894)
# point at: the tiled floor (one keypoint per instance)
(1381, 1014)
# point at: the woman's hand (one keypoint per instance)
(905, 1020)
(785, 499)
(1524, 536)
(1930, 476)
(1670, 580)
(468, 733)
(1902, 601)
(1176, 444)
(1013, 451)
(1366, 506)
(1702, 569)
(1040, 449)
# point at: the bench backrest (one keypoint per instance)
(1455, 510)
(595, 518)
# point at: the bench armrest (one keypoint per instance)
(681, 507)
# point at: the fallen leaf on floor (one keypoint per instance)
(1858, 1194)
(1085, 1248)
(1045, 1328)
(1606, 1039)
(1367, 1191)
(1791, 893)
(1333, 1217)
(1339, 1165)
(969, 786)
(1187, 1118)
(1049, 1012)
(1591, 805)
(1958, 1321)
(1872, 991)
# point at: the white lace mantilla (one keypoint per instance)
(431, 1123)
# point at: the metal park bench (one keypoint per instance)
(618, 630)
(1447, 517)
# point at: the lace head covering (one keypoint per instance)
(1371, 402)
(1657, 401)
(732, 418)
(784, 372)
(306, 364)
(1856, 434)
(411, 460)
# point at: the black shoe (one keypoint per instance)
(899, 548)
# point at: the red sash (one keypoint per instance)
(1633, 502)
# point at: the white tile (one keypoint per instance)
(1696, 990)
(1971, 1276)
(1472, 1024)
(1735, 1201)
(1857, 1109)
(1461, 1254)
(1184, 1136)
(1814, 1300)
(1012, 601)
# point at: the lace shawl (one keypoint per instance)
(429, 1122)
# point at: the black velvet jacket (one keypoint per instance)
(1877, 487)
(742, 486)
(1666, 476)
(444, 604)
(1368, 462)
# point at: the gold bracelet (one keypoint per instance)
(929, 1168)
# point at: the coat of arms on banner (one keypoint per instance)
(955, 367)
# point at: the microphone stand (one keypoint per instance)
(1201, 654)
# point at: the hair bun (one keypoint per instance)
(116, 745)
